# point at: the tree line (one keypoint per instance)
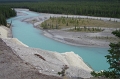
(5, 13)
(100, 8)
(49, 0)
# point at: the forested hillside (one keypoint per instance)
(51, 0)
(90, 8)
(5, 13)
(101, 8)
(20, 0)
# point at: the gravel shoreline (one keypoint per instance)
(100, 39)
(76, 38)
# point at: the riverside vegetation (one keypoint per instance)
(113, 58)
(79, 24)
(5, 13)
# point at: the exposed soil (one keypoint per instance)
(13, 67)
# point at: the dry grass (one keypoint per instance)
(97, 78)
(87, 29)
(63, 22)
(110, 39)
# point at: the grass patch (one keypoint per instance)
(109, 39)
(86, 29)
(68, 22)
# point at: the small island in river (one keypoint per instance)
(78, 30)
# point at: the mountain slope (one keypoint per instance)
(13, 67)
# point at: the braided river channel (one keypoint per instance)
(94, 57)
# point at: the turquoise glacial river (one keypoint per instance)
(25, 32)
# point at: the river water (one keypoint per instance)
(26, 33)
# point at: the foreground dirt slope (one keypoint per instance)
(12, 67)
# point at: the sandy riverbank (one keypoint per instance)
(3, 32)
(54, 61)
(101, 39)
(6, 33)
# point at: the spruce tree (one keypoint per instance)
(113, 58)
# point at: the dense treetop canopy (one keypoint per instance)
(50, 0)
(5, 13)
(100, 8)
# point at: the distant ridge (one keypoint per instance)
(22, 0)
(49, 0)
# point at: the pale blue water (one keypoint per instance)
(33, 37)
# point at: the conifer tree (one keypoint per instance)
(113, 58)
(5, 13)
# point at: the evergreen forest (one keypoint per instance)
(100, 8)
(5, 13)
